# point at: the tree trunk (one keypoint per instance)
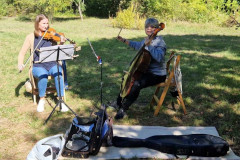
(79, 9)
(50, 17)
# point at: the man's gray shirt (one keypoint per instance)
(157, 49)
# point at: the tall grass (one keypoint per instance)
(210, 68)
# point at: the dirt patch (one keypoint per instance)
(20, 131)
(13, 144)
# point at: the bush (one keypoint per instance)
(7, 9)
(23, 18)
(26, 17)
(215, 11)
(3, 9)
(128, 18)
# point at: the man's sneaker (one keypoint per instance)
(40, 107)
(120, 114)
(114, 105)
(64, 108)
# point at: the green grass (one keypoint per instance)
(211, 78)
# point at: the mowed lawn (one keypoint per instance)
(210, 65)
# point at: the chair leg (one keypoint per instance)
(64, 97)
(153, 100)
(34, 99)
(182, 103)
(164, 93)
(161, 100)
(178, 101)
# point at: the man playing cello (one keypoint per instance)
(156, 71)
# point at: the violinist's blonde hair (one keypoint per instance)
(36, 24)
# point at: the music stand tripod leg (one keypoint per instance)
(51, 113)
(60, 101)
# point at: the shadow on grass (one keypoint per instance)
(19, 86)
(61, 19)
(210, 69)
(30, 18)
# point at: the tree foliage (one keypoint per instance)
(49, 7)
(128, 18)
(187, 10)
(32, 8)
(104, 8)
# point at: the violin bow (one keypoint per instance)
(33, 51)
(119, 32)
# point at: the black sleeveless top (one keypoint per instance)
(43, 43)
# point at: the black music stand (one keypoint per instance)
(57, 53)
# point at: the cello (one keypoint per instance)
(139, 65)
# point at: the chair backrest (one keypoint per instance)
(173, 80)
(178, 73)
(171, 57)
(32, 80)
(173, 66)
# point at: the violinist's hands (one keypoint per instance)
(63, 39)
(121, 39)
(78, 48)
(75, 56)
(20, 67)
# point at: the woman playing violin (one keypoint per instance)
(156, 72)
(42, 70)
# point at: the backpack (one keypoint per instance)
(86, 135)
(49, 148)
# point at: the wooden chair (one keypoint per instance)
(170, 82)
(49, 90)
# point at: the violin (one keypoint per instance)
(139, 65)
(51, 34)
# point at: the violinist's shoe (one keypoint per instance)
(64, 108)
(40, 107)
(120, 114)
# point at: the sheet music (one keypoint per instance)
(49, 54)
